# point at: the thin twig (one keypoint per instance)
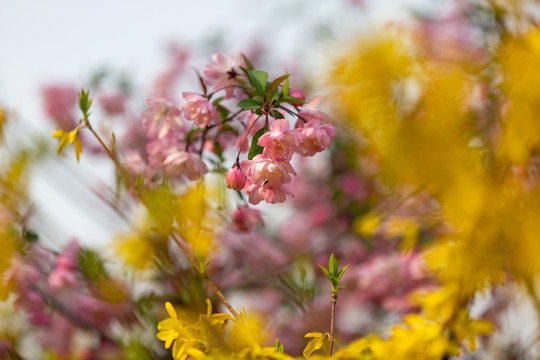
(333, 301)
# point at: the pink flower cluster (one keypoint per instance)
(266, 175)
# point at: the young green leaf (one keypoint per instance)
(247, 62)
(285, 89)
(333, 266)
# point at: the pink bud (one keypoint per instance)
(235, 178)
(299, 94)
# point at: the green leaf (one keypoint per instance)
(278, 346)
(291, 100)
(326, 273)
(274, 84)
(219, 150)
(30, 236)
(191, 133)
(260, 79)
(84, 101)
(276, 114)
(285, 89)
(256, 149)
(341, 272)
(248, 104)
(91, 265)
(333, 267)
(248, 63)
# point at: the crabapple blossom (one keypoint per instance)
(235, 178)
(310, 112)
(280, 142)
(160, 118)
(268, 192)
(316, 137)
(223, 72)
(198, 109)
(262, 171)
(184, 163)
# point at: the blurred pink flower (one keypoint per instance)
(389, 279)
(135, 165)
(184, 163)
(160, 118)
(113, 104)
(246, 218)
(198, 109)
(310, 112)
(59, 103)
(223, 72)
(64, 272)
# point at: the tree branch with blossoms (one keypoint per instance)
(176, 155)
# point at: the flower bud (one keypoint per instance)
(299, 94)
(235, 178)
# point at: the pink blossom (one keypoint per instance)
(235, 178)
(264, 171)
(223, 72)
(184, 163)
(280, 142)
(159, 149)
(246, 218)
(310, 112)
(316, 137)
(270, 193)
(198, 109)
(160, 118)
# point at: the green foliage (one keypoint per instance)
(333, 273)
(91, 265)
(85, 102)
(278, 346)
(256, 149)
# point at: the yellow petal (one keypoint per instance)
(170, 310)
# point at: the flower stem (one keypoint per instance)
(121, 171)
(333, 301)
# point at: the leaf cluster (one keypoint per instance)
(333, 273)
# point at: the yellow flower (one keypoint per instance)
(174, 330)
